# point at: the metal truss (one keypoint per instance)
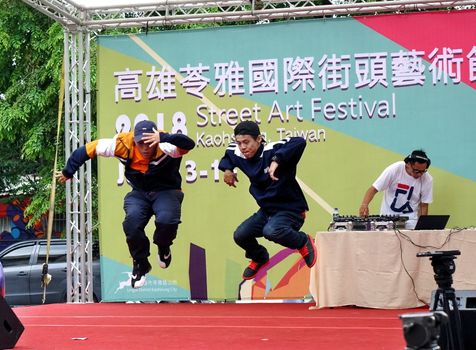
(79, 22)
(173, 12)
(78, 190)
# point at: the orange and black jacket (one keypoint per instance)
(158, 174)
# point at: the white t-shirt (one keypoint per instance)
(403, 193)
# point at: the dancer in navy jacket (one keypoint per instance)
(271, 169)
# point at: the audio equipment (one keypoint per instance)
(10, 326)
(418, 156)
(368, 223)
(466, 303)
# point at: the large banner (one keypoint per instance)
(364, 92)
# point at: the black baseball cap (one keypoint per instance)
(144, 126)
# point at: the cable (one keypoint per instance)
(401, 235)
(447, 239)
(405, 268)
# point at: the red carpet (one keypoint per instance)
(207, 326)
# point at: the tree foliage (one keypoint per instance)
(31, 53)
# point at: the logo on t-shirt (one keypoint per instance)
(403, 190)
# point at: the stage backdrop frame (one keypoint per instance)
(81, 19)
(361, 105)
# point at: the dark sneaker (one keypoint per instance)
(139, 270)
(252, 269)
(308, 252)
(164, 257)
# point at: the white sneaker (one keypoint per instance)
(139, 270)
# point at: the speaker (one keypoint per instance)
(468, 320)
(468, 325)
(466, 302)
(10, 326)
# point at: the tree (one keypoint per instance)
(31, 53)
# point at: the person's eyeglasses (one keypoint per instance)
(417, 171)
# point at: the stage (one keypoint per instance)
(104, 326)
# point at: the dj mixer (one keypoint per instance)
(368, 223)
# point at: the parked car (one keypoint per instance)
(22, 268)
(2, 281)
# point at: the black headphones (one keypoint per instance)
(418, 156)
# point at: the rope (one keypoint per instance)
(46, 277)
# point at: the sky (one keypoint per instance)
(110, 3)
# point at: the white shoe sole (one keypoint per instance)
(140, 283)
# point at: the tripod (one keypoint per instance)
(444, 266)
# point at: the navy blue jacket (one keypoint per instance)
(271, 196)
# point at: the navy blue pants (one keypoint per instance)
(282, 228)
(139, 207)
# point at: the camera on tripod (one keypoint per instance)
(444, 267)
(422, 330)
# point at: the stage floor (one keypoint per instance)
(227, 326)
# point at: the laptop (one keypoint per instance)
(432, 222)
